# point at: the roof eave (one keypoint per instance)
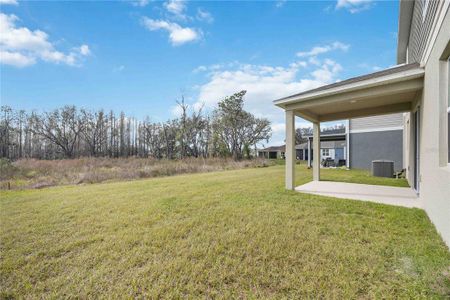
(395, 77)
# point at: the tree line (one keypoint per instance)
(69, 132)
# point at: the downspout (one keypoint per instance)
(309, 152)
(347, 140)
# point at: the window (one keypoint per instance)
(325, 152)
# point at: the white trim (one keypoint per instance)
(407, 54)
(324, 135)
(325, 151)
(448, 141)
(363, 84)
(417, 130)
(424, 9)
(404, 28)
(444, 5)
(448, 111)
(377, 129)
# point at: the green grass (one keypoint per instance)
(216, 235)
(356, 176)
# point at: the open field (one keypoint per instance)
(224, 234)
(34, 173)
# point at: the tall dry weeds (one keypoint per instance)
(33, 173)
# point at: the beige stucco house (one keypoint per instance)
(418, 87)
(274, 152)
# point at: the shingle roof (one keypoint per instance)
(329, 132)
(324, 145)
(275, 148)
(393, 70)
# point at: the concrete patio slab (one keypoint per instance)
(399, 196)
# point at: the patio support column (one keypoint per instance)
(290, 150)
(316, 149)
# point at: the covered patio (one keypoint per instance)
(398, 196)
(392, 90)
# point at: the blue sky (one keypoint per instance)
(141, 56)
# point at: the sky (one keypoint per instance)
(140, 57)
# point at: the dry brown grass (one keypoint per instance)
(32, 173)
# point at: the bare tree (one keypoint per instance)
(68, 132)
(92, 130)
(60, 127)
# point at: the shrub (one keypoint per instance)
(7, 169)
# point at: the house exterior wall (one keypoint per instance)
(340, 153)
(271, 154)
(434, 169)
(376, 137)
(377, 123)
(424, 13)
(368, 146)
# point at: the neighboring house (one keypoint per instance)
(332, 146)
(335, 150)
(274, 152)
(417, 87)
(368, 139)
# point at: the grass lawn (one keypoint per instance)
(216, 235)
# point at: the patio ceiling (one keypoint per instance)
(388, 91)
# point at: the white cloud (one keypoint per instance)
(58, 57)
(16, 59)
(84, 50)
(200, 69)
(177, 35)
(140, 3)
(280, 3)
(264, 84)
(328, 71)
(118, 69)
(8, 2)
(21, 47)
(279, 128)
(314, 61)
(176, 111)
(203, 15)
(215, 67)
(298, 64)
(354, 6)
(369, 67)
(324, 49)
(177, 8)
